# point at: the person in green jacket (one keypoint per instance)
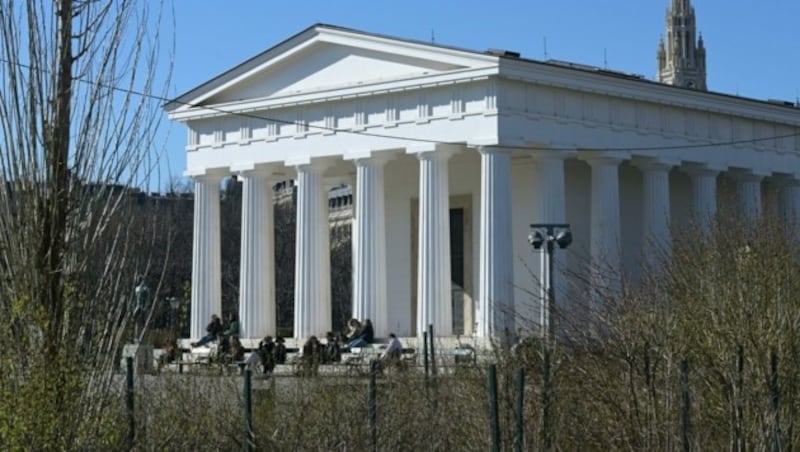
(231, 330)
(233, 325)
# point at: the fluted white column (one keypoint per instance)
(495, 282)
(312, 283)
(549, 206)
(434, 298)
(789, 203)
(704, 196)
(257, 311)
(605, 251)
(369, 258)
(656, 240)
(748, 194)
(206, 259)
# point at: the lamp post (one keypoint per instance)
(142, 293)
(548, 235)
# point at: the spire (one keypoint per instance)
(680, 6)
(684, 58)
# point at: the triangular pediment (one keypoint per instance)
(328, 66)
(326, 58)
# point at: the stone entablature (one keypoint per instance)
(685, 119)
(381, 111)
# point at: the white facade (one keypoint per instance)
(421, 130)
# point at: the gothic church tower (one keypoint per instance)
(682, 58)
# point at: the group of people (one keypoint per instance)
(356, 335)
(269, 354)
(272, 352)
(362, 334)
(226, 335)
(217, 331)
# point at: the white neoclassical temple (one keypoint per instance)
(451, 155)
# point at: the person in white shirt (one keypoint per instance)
(393, 351)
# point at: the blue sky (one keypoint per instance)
(753, 48)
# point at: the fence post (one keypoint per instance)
(686, 427)
(547, 400)
(425, 353)
(129, 401)
(520, 434)
(738, 421)
(493, 408)
(433, 351)
(775, 396)
(249, 438)
(373, 404)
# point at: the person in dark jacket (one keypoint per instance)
(280, 351)
(333, 353)
(236, 350)
(214, 328)
(365, 337)
(264, 355)
(311, 357)
(353, 330)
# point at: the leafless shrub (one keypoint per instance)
(76, 132)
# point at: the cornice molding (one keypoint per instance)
(645, 90)
(333, 94)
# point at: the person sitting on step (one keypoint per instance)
(280, 351)
(332, 352)
(214, 328)
(311, 357)
(365, 337)
(265, 354)
(392, 354)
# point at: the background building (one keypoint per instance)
(682, 57)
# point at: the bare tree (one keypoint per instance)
(77, 124)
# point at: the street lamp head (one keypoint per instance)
(536, 239)
(564, 238)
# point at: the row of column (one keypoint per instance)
(495, 308)
(312, 263)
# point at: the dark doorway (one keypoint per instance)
(457, 268)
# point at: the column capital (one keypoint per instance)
(786, 179)
(316, 166)
(655, 163)
(604, 158)
(307, 160)
(538, 155)
(748, 175)
(209, 174)
(429, 151)
(702, 169)
(494, 149)
(370, 155)
(256, 170)
(373, 161)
